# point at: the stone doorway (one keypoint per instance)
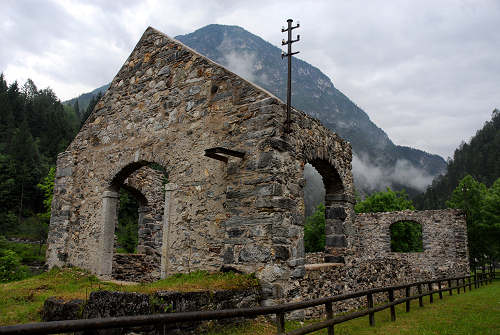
(145, 181)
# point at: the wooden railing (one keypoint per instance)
(159, 321)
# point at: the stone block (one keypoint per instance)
(336, 241)
(334, 227)
(281, 252)
(335, 213)
(228, 256)
(254, 254)
(64, 172)
(334, 259)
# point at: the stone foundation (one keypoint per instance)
(113, 304)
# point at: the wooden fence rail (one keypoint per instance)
(160, 320)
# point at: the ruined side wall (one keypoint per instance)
(444, 237)
(374, 265)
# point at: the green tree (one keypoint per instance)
(128, 217)
(42, 224)
(76, 108)
(314, 230)
(406, 236)
(24, 151)
(481, 206)
(387, 201)
(490, 213)
(469, 196)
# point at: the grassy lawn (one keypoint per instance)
(21, 301)
(476, 312)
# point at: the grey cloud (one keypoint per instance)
(426, 72)
(374, 178)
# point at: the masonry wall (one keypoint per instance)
(445, 254)
(166, 106)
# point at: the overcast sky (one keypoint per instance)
(427, 72)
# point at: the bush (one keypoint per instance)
(10, 267)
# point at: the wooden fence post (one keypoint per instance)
(470, 283)
(407, 290)
(393, 308)
(458, 286)
(280, 322)
(440, 290)
(329, 316)
(371, 315)
(420, 298)
(429, 287)
(449, 287)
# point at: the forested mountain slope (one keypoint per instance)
(479, 158)
(34, 128)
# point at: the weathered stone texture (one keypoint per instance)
(166, 105)
(102, 304)
(444, 235)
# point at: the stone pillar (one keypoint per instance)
(104, 264)
(142, 237)
(335, 215)
(58, 234)
(167, 209)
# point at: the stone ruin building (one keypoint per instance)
(233, 195)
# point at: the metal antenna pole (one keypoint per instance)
(289, 55)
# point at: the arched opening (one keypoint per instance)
(132, 228)
(406, 236)
(131, 210)
(325, 204)
(314, 201)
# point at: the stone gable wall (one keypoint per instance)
(166, 106)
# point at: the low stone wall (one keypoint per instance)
(329, 279)
(113, 304)
(135, 267)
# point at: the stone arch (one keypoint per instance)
(137, 178)
(406, 235)
(336, 210)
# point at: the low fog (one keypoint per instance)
(368, 178)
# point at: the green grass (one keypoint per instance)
(476, 312)
(22, 301)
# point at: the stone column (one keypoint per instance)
(104, 264)
(167, 209)
(58, 235)
(142, 237)
(335, 215)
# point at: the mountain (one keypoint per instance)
(377, 161)
(376, 156)
(84, 99)
(479, 158)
